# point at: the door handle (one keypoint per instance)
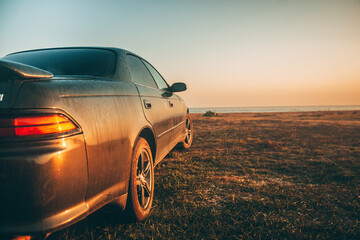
(147, 104)
(171, 104)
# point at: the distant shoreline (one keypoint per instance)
(275, 109)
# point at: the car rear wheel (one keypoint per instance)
(186, 143)
(141, 186)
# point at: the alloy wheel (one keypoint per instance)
(144, 179)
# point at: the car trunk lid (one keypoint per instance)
(12, 74)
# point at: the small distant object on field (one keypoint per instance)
(210, 114)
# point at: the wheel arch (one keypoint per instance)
(148, 134)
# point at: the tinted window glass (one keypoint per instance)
(139, 73)
(94, 62)
(157, 77)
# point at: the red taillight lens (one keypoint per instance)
(35, 125)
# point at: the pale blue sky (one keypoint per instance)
(230, 53)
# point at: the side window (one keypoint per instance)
(158, 79)
(139, 72)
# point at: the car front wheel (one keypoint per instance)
(141, 186)
(186, 143)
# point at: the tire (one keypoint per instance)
(186, 143)
(141, 185)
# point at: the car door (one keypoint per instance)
(177, 108)
(155, 104)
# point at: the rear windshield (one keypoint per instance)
(93, 62)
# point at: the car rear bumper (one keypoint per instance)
(42, 184)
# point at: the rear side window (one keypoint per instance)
(93, 62)
(139, 73)
(157, 77)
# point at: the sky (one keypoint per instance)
(229, 53)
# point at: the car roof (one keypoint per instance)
(114, 49)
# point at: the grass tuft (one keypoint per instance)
(210, 114)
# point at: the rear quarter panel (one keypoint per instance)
(110, 115)
(43, 183)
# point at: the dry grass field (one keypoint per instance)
(251, 176)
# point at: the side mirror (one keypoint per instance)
(178, 87)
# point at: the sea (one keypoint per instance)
(275, 109)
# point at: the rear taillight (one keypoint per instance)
(40, 125)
